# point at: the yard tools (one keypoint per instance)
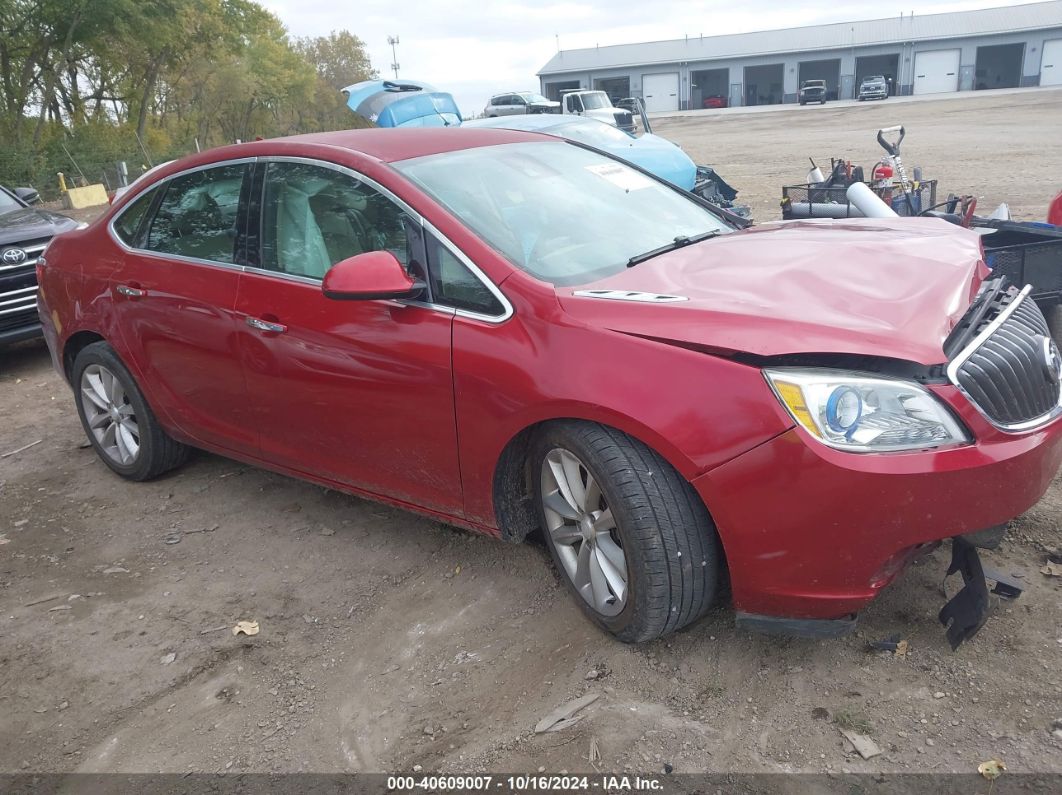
(893, 150)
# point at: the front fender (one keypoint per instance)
(696, 410)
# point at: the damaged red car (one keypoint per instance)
(518, 334)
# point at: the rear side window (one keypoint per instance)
(198, 215)
(131, 220)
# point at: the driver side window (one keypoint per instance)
(314, 217)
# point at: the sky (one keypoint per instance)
(475, 48)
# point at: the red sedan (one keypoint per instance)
(515, 333)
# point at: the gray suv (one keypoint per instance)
(519, 103)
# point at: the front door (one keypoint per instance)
(175, 294)
(360, 392)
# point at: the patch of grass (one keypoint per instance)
(853, 721)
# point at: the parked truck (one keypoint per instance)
(596, 105)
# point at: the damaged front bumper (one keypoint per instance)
(813, 534)
(962, 616)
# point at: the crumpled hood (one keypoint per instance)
(885, 287)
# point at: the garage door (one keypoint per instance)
(1051, 63)
(936, 71)
(661, 91)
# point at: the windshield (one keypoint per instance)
(531, 97)
(562, 213)
(595, 100)
(8, 203)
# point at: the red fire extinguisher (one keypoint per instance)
(882, 178)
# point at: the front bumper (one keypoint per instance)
(24, 332)
(815, 533)
(873, 94)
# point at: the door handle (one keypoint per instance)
(130, 292)
(265, 325)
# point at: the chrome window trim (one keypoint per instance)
(159, 183)
(955, 364)
(143, 252)
(416, 216)
(424, 224)
(309, 161)
(282, 275)
(507, 308)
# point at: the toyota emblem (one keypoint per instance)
(14, 256)
(1052, 361)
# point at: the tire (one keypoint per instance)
(105, 387)
(644, 511)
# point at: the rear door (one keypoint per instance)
(174, 296)
(360, 392)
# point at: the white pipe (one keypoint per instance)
(868, 202)
(822, 210)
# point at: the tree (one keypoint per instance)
(93, 79)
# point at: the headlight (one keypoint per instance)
(864, 414)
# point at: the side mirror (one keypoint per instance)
(367, 277)
(28, 195)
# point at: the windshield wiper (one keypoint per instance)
(679, 242)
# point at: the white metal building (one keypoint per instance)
(1020, 45)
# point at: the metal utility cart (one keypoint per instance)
(1028, 253)
(816, 201)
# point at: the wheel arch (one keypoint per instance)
(74, 344)
(512, 485)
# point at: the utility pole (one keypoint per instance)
(393, 40)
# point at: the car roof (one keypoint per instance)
(386, 144)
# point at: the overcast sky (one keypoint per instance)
(475, 48)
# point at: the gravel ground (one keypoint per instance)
(996, 147)
(388, 642)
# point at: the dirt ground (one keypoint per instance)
(997, 147)
(391, 643)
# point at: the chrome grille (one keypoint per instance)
(1010, 372)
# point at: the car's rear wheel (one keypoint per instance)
(117, 420)
(628, 534)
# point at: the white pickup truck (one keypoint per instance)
(596, 105)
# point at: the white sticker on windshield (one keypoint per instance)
(622, 177)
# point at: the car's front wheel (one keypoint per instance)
(117, 420)
(630, 537)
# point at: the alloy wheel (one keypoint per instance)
(583, 532)
(109, 415)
